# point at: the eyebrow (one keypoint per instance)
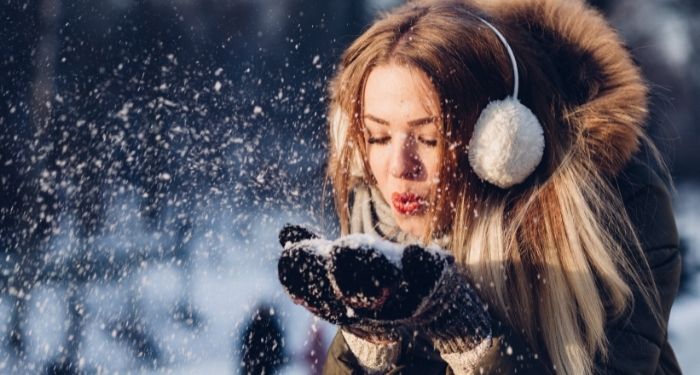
(416, 122)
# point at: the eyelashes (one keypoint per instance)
(378, 140)
(385, 140)
(428, 142)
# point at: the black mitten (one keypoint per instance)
(374, 288)
(302, 270)
(387, 285)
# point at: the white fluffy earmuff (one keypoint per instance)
(507, 143)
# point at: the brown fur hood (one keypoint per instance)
(608, 98)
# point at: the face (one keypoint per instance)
(401, 122)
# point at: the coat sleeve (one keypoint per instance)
(416, 358)
(340, 359)
(509, 354)
(638, 342)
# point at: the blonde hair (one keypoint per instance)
(551, 255)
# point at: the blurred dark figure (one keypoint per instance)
(262, 343)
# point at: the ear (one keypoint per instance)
(603, 93)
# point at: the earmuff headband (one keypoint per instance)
(510, 54)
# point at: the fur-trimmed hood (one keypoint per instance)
(607, 99)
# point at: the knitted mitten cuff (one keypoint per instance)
(460, 320)
(460, 344)
(466, 363)
(374, 357)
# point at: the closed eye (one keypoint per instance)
(378, 140)
(428, 141)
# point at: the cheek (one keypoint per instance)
(431, 163)
(379, 160)
(378, 163)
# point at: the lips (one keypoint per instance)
(408, 203)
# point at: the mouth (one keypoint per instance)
(408, 203)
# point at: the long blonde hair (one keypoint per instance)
(550, 255)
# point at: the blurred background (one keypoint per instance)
(151, 149)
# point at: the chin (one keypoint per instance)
(413, 225)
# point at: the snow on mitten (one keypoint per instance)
(386, 285)
(302, 270)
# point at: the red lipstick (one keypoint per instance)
(408, 203)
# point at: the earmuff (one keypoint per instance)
(507, 143)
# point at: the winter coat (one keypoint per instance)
(606, 99)
(638, 345)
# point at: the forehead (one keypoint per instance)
(399, 92)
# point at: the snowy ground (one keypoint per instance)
(228, 276)
(684, 326)
(684, 330)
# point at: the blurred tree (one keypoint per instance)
(68, 361)
(29, 208)
(135, 333)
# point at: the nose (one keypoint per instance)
(405, 161)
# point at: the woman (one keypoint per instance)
(498, 150)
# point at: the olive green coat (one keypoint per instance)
(638, 345)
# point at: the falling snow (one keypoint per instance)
(150, 152)
(145, 180)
